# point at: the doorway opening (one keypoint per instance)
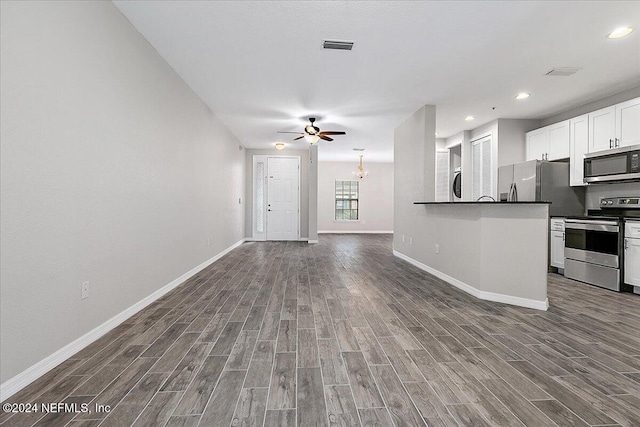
(276, 197)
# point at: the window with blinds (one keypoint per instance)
(481, 167)
(346, 200)
(442, 176)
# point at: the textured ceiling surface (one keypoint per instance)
(261, 68)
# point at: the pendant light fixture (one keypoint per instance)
(360, 173)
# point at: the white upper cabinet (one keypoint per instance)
(628, 123)
(602, 129)
(549, 143)
(558, 141)
(537, 144)
(611, 127)
(615, 126)
(579, 145)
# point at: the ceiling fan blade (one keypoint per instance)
(299, 133)
(326, 138)
(300, 137)
(332, 132)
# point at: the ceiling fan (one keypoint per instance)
(312, 133)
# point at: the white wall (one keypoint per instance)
(313, 193)
(113, 172)
(512, 140)
(413, 175)
(376, 197)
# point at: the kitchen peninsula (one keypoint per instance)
(495, 251)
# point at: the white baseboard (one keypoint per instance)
(312, 241)
(26, 377)
(489, 296)
(355, 232)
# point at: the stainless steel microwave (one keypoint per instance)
(618, 164)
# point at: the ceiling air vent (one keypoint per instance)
(562, 71)
(358, 149)
(334, 44)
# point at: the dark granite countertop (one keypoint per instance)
(482, 203)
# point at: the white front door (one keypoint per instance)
(283, 176)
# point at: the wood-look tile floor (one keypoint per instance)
(344, 334)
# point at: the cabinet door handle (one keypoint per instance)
(617, 142)
(626, 244)
(611, 143)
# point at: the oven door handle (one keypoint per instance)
(594, 226)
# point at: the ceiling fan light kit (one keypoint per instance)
(311, 138)
(312, 133)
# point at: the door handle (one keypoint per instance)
(268, 210)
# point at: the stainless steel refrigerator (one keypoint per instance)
(538, 180)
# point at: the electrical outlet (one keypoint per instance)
(239, 200)
(84, 290)
(403, 238)
(208, 241)
(411, 240)
(437, 248)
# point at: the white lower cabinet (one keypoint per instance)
(557, 243)
(632, 253)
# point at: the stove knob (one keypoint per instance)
(610, 202)
(603, 202)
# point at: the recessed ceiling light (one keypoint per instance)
(522, 95)
(279, 145)
(469, 118)
(620, 32)
(436, 133)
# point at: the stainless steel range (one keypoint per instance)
(594, 245)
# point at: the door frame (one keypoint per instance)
(257, 158)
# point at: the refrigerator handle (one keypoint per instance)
(510, 191)
(515, 192)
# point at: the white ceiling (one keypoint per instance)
(261, 68)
